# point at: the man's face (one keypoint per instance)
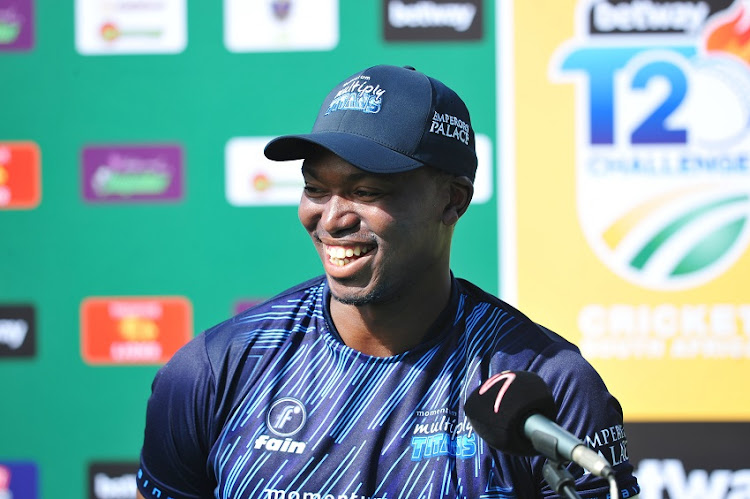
(378, 235)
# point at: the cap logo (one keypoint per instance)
(450, 126)
(357, 94)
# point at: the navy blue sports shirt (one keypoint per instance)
(271, 404)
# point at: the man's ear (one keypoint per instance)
(461, 191)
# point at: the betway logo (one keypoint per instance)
(13, 332)
(429, 14)
(106, 487)
(658, 476)
(645, 15)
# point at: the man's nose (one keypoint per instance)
(339, 215)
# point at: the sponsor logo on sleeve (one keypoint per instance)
(134, 330)
(16, 25)
(20, 175)
(136, 173)
(610, 443)
(17, 331)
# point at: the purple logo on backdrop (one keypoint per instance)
(243, 305)
(16, 25)
(281, 8)
(18, 480)
(132, 173)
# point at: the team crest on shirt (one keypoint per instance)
(439, 433)
(284, 419)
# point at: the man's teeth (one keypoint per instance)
(340, 256)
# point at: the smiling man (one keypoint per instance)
(352, 385)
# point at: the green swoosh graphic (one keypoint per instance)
(709, 249)
(648, 249)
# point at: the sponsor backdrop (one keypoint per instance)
(137, 208)
(627, 177)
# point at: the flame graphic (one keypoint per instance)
(732, 37)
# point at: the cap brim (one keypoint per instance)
(359, 151)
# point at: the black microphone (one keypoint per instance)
(514, 413)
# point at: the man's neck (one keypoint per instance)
(391, 328)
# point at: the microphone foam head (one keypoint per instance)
(499, 408)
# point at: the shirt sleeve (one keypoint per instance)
(587, 410)
(176, 445)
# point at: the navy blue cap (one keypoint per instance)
(389, 119)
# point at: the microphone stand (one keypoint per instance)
(560, 479)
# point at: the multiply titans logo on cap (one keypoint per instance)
(18, 480)
(17, 331)
(132, 173)
(358, 94)
(434, 20)
(365, 95)
(16, 25)
(662, 142)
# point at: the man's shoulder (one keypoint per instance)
(277, 312)
(477, 297)
(521, 329)
(301, 293)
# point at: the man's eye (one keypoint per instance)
(363, 193)
(312, 191)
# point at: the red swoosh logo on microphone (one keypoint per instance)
(506, 375)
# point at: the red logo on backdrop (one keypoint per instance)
(134, 330)
(20, 175)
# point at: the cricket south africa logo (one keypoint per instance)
(662, 104)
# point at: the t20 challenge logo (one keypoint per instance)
(663, 149)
